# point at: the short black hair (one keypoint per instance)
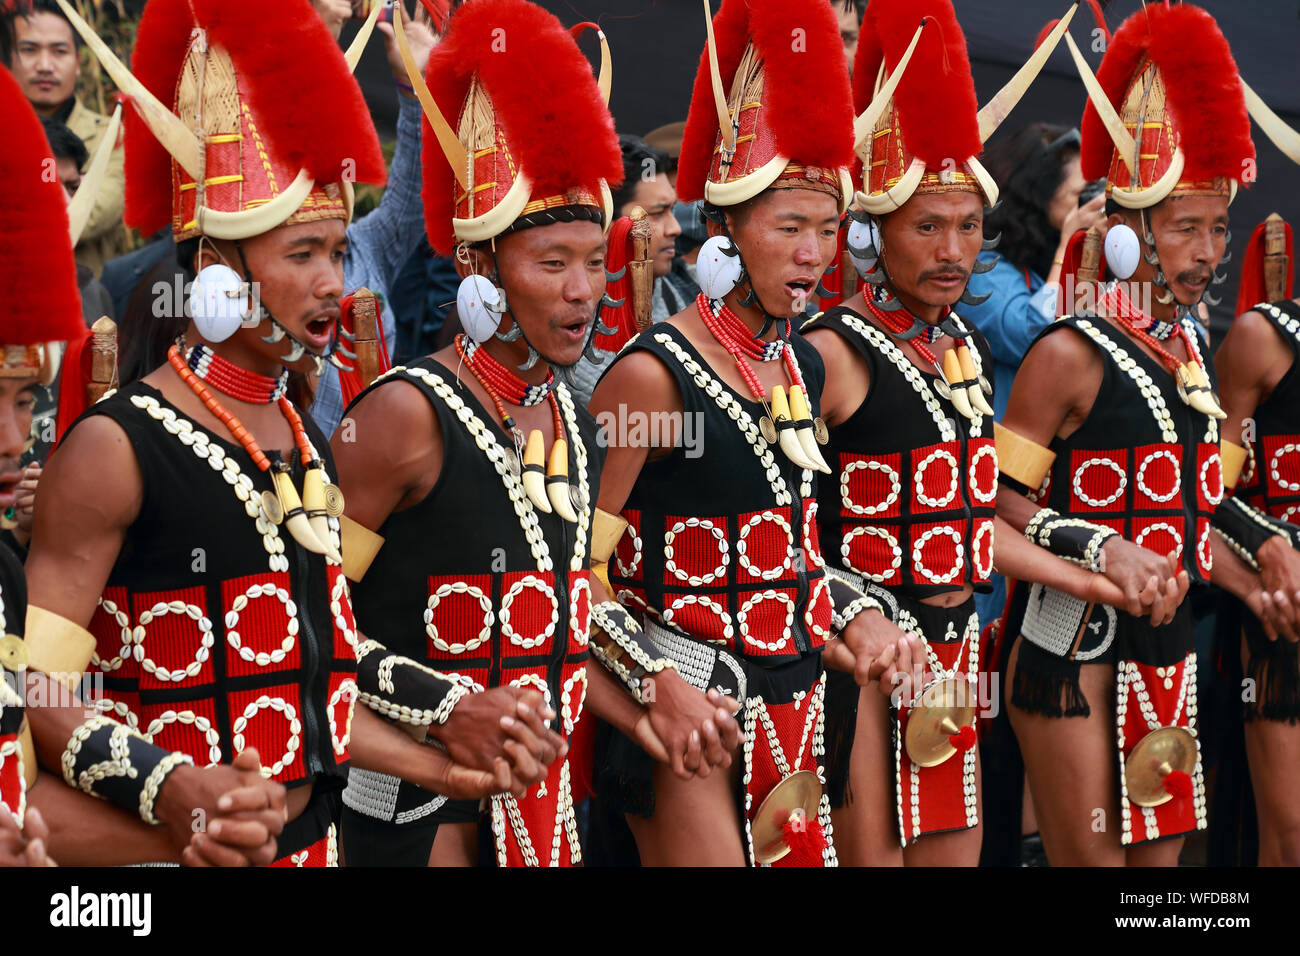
(1028, 166)
(25, 8)
(64, 143)
(638, 159)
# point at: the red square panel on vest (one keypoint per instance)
(174, 638)
(12, 784)
(187, 726)
(874, 552)
(530, 613)
(938, 552)
(1281, 464)
(579, 611)
(627, 560)
(982, 471)
(1098, 479)
(533, 678)
(981, 549)
(345, 623)
(705, 617)
(339, 706)
(870, 486)
(696, 551)
(765, 546)
(1162, 535)
(1204, 556)
(262, 624)
(1209, 477)
(812, 547)
(572, 695)
(270, 719)
(111, 625)
(936, 475)
(459, 617)
(1158, 477)
(817, 615)
(765, 622)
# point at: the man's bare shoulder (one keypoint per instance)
(1065, 348)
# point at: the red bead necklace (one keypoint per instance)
(1122, 308)
(897, 324)
(734, 336)
(227, 377)
(496, 379)
(233, 424)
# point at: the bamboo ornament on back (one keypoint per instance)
(365, 326)
(103, 359)
(1276, 264)
(641, 267)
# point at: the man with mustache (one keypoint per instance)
(477, 469)
(718, 551)
(909, 513)
(1113, 426)
(187, 542)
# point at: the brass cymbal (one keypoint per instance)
(799, 791)
(946, 706)
(1157, 755)
(13, 652)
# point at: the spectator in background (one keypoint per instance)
(45, 60)
(849, 13)
(380, 243)
(70, 159)
(1037, 171)
(646, 184)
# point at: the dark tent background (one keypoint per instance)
(656, 45)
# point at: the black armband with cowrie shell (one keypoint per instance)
(1073, 539)
(848, 598)
(403, 689)
(115, 763)
(621, 647)
(1245, 529)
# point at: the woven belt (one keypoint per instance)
(374, 794)
(701, 665)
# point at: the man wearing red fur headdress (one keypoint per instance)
(1255, 365)
(1113, 426)
(909, 514)
(187, 540)
(720, 554)
(482, 446)
(38, 813)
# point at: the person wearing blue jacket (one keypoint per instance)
(1037, 171)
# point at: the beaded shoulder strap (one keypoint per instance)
(883, 344)
(505, 463)
(240, 482)
(1131, 367)
(721, 395)
(1284, 318)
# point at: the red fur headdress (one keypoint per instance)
(290, 105)
(1203, 114)
(523, 100)
(928, 138)
(37, 270)
(803, 115)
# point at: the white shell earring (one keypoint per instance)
(718, 267)
(864, 244)
(478, 304)
(218, 303)
(1122, 251)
